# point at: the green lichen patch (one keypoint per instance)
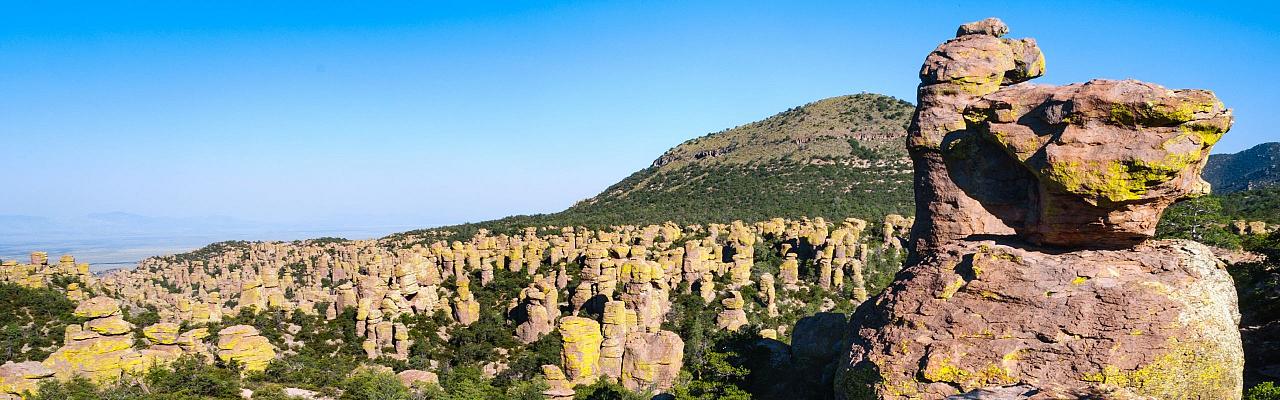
(1117, 181)
(951, 288)
(979, 85)
(1164, 112)
(946, 371)
(1187, 370)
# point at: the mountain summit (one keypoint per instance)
(836, 157)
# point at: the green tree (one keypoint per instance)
(1200, 219)
(466, 383)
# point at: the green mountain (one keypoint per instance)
(837, 157)
(1254, 168)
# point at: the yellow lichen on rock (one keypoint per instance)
(97, 307)
(581, 352)
(113, 325)
(101, 349)
(162, 333)
(18, 378)
(242, 344)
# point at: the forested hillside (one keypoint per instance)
(1255, 168)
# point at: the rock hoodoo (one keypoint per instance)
(1030, 267)
(101, 349)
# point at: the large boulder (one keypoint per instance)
(652, 361)
(162, 333)
(97, 307)
(244, 345)
(416, 378)
(1158, 320)
(815, 344)
(1031, 270)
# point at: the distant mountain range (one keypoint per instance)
(1255, 168)
(103, 239)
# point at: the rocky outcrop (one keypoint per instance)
(466, 309)
(954, 76)
(616, 350)
(101, 349)
(652, 361)
(39, 273)
(244, 345)
(581, 349)
(558, 385)
(733, 316)
(1159, 319)
(539, 305)
(1031, 271)
(18, 378)
(414, 378)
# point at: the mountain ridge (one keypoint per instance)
(1254, 168)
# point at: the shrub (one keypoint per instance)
(271, 392)
(368, 384)
(192, 376)
(1263, 391)
(80, 388)
(604, 390)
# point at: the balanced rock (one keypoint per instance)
(1030, 267)
(733, 316)
(1089, 190)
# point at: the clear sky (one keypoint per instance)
(440, 112)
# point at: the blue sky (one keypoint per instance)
(439, 112)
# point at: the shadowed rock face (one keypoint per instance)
(976, 63)
(1107, 156)
(1031, 275)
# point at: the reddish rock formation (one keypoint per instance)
(1107, 156)
(976, 63)
(1030, 274)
